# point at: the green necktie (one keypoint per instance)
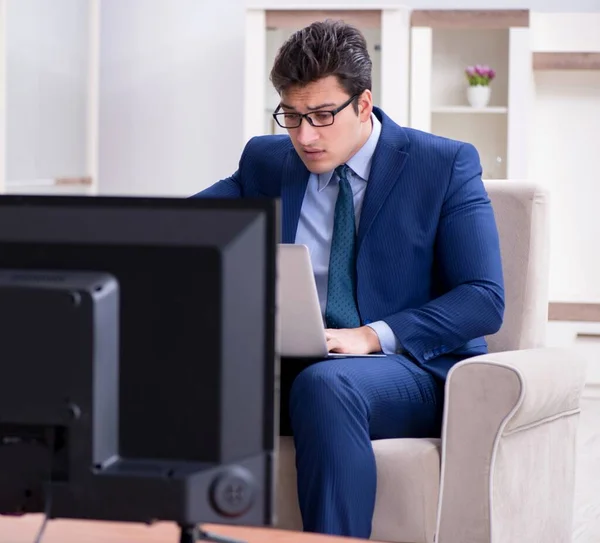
(341, 310)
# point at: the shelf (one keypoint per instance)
(298, 18)
(84, 181)
(574, 311)
(488, 133)
(469, 109)
(465, 18)
(566, 61)
(443, 43)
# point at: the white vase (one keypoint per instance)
(478, 95)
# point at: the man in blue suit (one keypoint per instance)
(406, 258)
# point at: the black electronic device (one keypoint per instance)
(137, 359)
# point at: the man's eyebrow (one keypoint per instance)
(311, 108)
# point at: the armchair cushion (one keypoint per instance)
(521, 211)
(408, 483)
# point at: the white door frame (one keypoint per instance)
(395, 59)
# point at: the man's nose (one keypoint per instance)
(306, 133)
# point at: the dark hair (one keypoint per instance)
(322, 49)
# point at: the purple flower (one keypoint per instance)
(479, 74)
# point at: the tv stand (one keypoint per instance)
(193, 534)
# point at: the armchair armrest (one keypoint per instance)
(508, 447)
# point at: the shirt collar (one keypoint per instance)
(360, 163)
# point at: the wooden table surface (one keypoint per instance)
(25, 529)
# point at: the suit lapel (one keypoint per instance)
(293, 187)
(388, 161)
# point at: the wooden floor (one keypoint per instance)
(587, 489)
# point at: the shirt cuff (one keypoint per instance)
(388, 341)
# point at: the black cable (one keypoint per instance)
(48, 500)
(216, 538)
(194, 534)
(42, 529)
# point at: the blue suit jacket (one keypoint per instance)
(428, 256)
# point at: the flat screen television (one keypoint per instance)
(138, 367)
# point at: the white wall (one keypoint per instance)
(564, 158)
(46, 88)
(538, 5)
(565, 129)
(171, 94)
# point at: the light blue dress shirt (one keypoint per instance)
(315, 226)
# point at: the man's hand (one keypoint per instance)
(363, 340)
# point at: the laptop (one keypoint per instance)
(301, 327)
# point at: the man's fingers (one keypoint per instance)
(330, 334)
(332, 344)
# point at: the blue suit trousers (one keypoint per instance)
(336, 407)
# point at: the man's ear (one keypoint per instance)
(365, 105)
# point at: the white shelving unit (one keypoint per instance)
(443, 44)
(386, 28)
(468, 110)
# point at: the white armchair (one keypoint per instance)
(503, 470)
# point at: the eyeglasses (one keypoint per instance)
(314, 118)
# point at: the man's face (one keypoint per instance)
(324, 148)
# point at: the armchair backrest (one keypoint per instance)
(522, 217)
